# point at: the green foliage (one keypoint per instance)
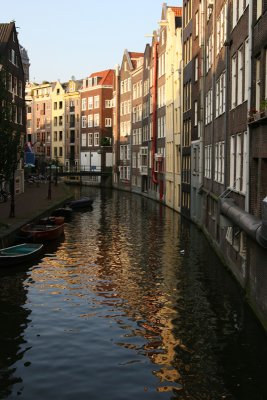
(263, 105)
(10, 151)
(105, 141)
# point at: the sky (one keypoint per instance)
(66, 38)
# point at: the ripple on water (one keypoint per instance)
(128, 306)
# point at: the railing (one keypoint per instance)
(85, 170)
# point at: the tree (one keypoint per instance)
(10, 139)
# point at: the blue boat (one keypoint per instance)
(83, 202)
(21, 253)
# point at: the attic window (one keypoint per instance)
(90, 82)
(95, 80)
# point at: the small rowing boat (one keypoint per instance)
(21, 253)
(42, 232)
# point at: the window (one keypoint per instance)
(90, 121)
(207, 172)
(221, 28)
(196, 113)
(108, 103)
(259, 8)
(90, 139)
(209, 52)
(233, 79)
(240, 66)
(108, 122)
(187, 96)
(197, 24)
(239, 162)
(90, 103)
(239, 7)
(220, 95)
(96, 101)
(96, 119)
(83, 140)
(196, 68)
(258, 84)
(83, 121)
(219, 162)
(83, 104)
(208, 107)
(232, 161)
(96, 139)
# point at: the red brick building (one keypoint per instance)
(96, 120)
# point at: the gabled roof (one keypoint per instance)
(132, 57)
(5, 33)
(178, 11)
(134, 54)
(106, 76)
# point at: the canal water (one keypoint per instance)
(131, 304)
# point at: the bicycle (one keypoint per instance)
(4, 196)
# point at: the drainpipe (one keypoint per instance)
(154, 114)
(227, 95)
(250, 18)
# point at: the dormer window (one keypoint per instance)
(90, 82)
(95, 80)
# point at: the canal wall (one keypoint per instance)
(250, 272)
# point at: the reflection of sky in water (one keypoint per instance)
(128, 298)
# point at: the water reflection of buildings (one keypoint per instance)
(14, 318)
(137, 274)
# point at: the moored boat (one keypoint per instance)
(18, 254)
(42, 232)
(52, 220)
(62, 212)
(83, 202)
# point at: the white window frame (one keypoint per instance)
(108, 122)
(84, 121)
(96, 119)
(96, 139)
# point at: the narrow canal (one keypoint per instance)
(131, 304)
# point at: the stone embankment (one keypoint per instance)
(30, 206)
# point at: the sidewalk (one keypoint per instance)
(30, 205)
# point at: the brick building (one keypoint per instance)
(12, 72)
(96, 121)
